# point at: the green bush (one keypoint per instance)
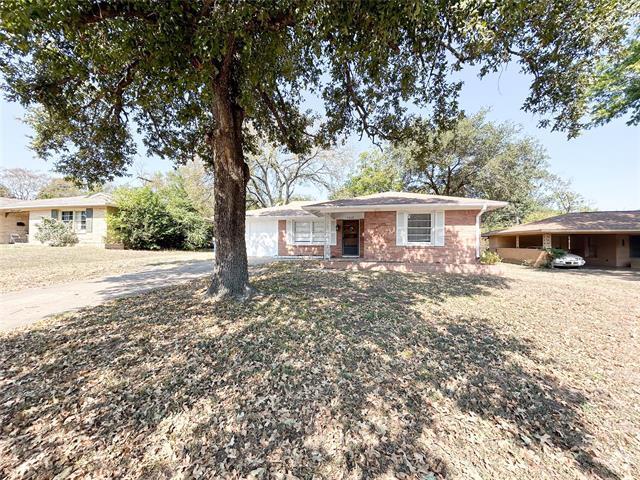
(555, 252)
(196, 231)
(142, 220)
(552, 254)
(149, 219)
(489, 258)
(55, 233)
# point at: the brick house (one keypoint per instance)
(386, 227)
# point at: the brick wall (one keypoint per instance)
(459, 240)
(378, 240)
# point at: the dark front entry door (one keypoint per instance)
(350, 237)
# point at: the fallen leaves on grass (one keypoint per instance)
(323, 375)
(29, 266)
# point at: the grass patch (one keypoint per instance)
(330, 374)
(28, 266)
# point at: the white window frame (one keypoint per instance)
(67, 222)
(76, 222)
(431, 229)
(311, 232)
(78, 225)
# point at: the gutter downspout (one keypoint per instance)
(482, 210)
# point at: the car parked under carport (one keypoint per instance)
(603, 239)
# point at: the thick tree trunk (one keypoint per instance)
(230, 273)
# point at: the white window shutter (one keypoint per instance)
(401, 228)
(332, 230)
(289, 232)
(439, 229)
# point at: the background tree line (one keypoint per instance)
(473, 158)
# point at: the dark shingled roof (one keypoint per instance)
(597, 222)
(404, 198)
(293, 209)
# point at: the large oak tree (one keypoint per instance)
(203, 77)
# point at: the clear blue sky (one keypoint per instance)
(603, 163)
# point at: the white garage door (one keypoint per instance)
(261, 236)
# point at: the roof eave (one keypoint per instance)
(282, 217)
(26, 208)
(407, 206)
(562, 231)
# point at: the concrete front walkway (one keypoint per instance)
(28, 306)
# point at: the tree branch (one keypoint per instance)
(125, 9)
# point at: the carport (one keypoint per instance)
(603, 239)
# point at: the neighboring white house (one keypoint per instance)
(86, 215)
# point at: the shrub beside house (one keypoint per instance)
(152, 219)
(137, 218)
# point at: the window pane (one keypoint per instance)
(302, 232)
(67, 217)
(81, 220)
(419, 228)
(318, 231)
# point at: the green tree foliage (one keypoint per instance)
(59, 187)
(196, 229)
(616, 91)
(197, 180)
(472, 158)
(142, 220)
(376, 172)
(162, 216)
(191, 76)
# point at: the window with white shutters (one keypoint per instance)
(419, 228)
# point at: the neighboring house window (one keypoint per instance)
(67, 217)
(309, 232)
(634, 246)
(77, 220)
(80, 221)
(419, 228)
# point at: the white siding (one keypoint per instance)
(261, 237)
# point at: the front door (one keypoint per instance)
(350, 238)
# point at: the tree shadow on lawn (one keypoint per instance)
(324, 375)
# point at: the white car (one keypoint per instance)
(568, 260)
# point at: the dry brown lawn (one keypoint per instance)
(334, 375)
(27, 266)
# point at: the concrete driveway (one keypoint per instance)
(28, 306)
